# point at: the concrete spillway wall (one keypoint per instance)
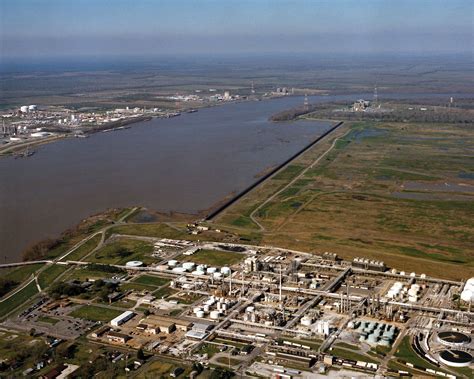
(227, 204)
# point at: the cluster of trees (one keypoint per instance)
(59, 289)
(432, 114)
(99, 288)
(105, 268)
(6, 285)
(40, 249)
(293, 113)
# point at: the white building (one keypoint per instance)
(121, 319)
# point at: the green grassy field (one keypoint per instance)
(406, 353)
(151, 280)
(123, 250)
(215, 257)
(47, 319)
(164, 292)
(84, 273)
(84, 249)
(19, 274)
(385, 191)
(149, 230)
(351, 354)
(20, 298)
(94, 313)
(49, 274)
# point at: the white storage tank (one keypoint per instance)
(179, 270)
(197, 309)
(211, 270)
(200, 314)
(306, 321)
(188, 265)
(173, 263)
(225, 271)
(214, 315)
(217, 275)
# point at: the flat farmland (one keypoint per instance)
(402, 193)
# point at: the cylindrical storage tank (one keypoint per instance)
(206, 308)
(225, 271)
(412, 275)
(198, 273)
(372, 338)
(172, 263)
(306, 321)
(384, 342)
(402, 273)
(188, 265)
(179, 270)
(217, 275)
(413, 299)
(250, 309)
(197, 309)
(211, 270)
(200, 314)
(32, 108)
(201, 268)
(467, 295)
(224, 306)
(394, 271)
(214, 315)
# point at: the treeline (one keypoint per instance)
(329, 111)
(428, 116)
(104, 268)
(6, 285)
(293, 113)
(44, 248)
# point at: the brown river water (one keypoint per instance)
(183, 164)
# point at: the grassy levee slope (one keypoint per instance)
(385, 191)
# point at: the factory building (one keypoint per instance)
(121, 319)
(157, 324)
(368, 264)
(117, 337)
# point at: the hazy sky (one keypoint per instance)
(37, 28)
